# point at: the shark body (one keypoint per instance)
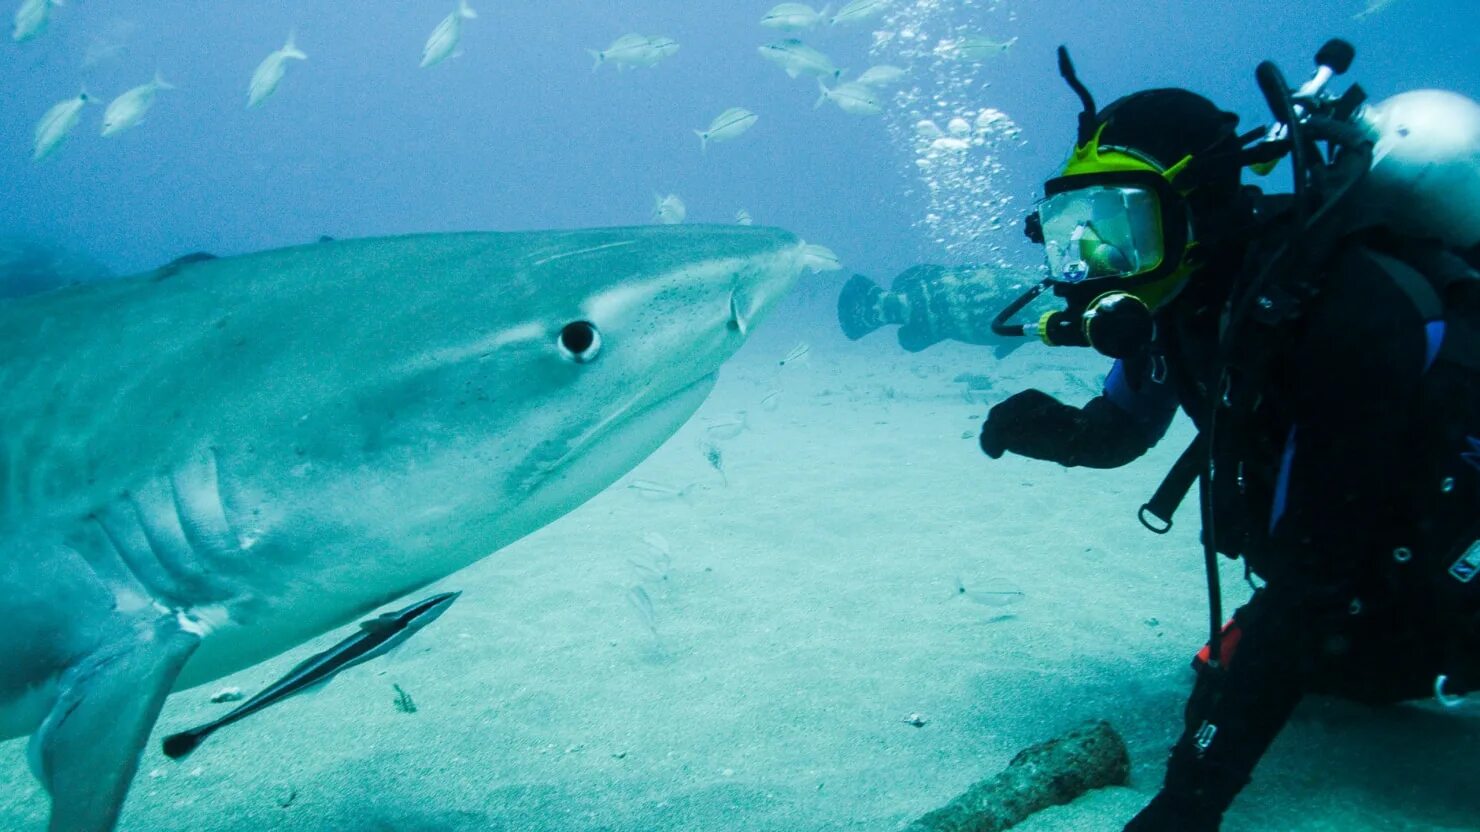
(204, 466)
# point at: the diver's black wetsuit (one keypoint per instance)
(1344, 489)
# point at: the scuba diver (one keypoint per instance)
(1326, 345)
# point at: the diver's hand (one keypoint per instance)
(1169, 813)
(1029, 423)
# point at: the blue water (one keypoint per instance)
(519, 133)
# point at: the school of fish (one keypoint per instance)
(867, 94)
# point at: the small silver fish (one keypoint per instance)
(647, 489)
(1000, 597)
(820, 259)
(669, 210)
(658, 543)
(627, 50)
(860, 10)
(727, 427)
(798, 353)
(726, 126)
(270, 72)
(771, 401)
(646, 571)
(742, 217)
(883, 75)
(31, 19)
(57, 124)
(662, 47)
(128, 110)
(642, 604)
(444, 39)
(973, 48)
(634, 50)
(800, 59)
(1373, 7)
(853, 97)
(793, 16)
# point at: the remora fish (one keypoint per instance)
(129, 109)
(31, 19)
(798, 59)
(270, 72)
(727, 125)
(794, 16)
(198, 463)
(444, 39)
(373, 639)
(933, 304)
(57, 124)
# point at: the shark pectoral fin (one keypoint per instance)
(88, 748)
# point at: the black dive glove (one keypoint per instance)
(1026, 424)
(1032, 423)
(1035, 424)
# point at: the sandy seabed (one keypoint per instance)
(810, 607)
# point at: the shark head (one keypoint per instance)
(264, 447)
(607, 343)
(451, 393)
(318, 430)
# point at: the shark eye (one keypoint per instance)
(580, 341)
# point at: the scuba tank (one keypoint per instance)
(1425, 175)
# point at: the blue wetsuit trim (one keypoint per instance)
(1282, 483)
(1433, 332)
(1153, 406)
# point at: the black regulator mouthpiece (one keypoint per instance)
(1119, 325)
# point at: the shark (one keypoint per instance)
(206, 465)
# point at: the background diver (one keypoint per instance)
(1328, 352)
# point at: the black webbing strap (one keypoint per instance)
(1175, 486)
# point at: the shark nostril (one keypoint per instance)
(737, 322)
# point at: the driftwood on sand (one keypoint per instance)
(1051, 773)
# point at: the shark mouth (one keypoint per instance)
(550, 457)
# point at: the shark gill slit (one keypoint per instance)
(161, 523)
(196, 491)
(132, 548)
